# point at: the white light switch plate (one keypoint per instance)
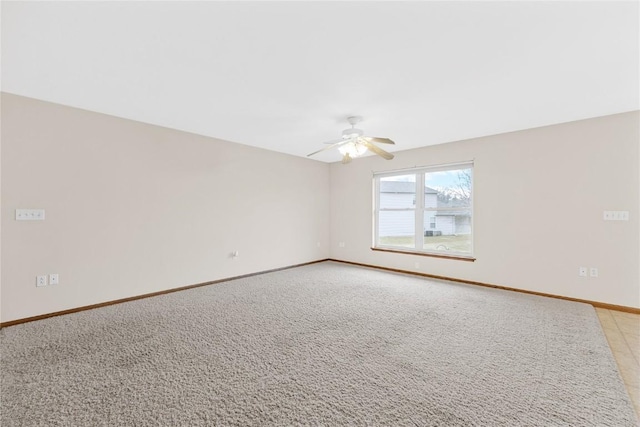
(616, 215)
(29, 214)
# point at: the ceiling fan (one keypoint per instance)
(353, 143)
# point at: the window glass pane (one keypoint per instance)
(398, 192)
(447, 189)
(452, 231)
(397, 228)
(437, 220)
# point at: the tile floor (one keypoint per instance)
(623, 333)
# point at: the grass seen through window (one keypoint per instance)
(459, 243)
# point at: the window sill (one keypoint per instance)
(410, 252)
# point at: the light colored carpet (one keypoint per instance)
(325, 344)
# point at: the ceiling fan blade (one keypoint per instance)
(335, 144)
(346, 159)
(379, 151)
(380, 140)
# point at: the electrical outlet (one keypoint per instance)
(593, 272)
(318, 244)
(341, 244)
(416, 264)
(235, 254)
(41, 281)
(582, 272)
(53, 279)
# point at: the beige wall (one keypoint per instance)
(539, 200)
(133, 208)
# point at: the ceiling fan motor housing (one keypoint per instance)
(352, 133)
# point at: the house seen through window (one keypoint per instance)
(427, 210)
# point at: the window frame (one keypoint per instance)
(420, 210)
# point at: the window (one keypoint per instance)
(425, 210)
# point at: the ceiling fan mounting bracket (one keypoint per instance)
(354, 120)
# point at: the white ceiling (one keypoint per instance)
(284, 75)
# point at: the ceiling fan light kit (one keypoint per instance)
(354, 144)
(354, 148)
